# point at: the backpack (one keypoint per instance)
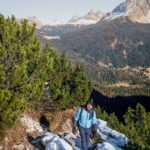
(81, 113)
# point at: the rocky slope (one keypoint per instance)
(33, 133)
(111, 139)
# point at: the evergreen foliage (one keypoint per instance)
(136, 126)
(25, 69)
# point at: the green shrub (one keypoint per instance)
(136, 126)
(25, 68)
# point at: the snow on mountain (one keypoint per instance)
(56, 22)
(51, 37)
(82, 21)
(56, 28)
(112, 140)
(136, 10)
(91, 17)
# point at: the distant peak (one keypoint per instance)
(56, 22)
(90, 18)
(32, 20)
(136, 10)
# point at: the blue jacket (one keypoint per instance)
(85, 119)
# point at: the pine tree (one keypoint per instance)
(25, 69)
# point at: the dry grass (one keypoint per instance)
(120, 84)
(147, 73)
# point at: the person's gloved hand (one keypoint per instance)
(74, 130)
(94, 133)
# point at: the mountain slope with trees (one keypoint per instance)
(119, 43)
(120, 38)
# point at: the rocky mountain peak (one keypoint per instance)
(32, 20)
(136, 10)
(90, 18)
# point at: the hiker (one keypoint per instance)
(86, 120)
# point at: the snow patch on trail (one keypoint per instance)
(53, 142)
(112, 139)
(106, 146)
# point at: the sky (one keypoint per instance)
(48, 10)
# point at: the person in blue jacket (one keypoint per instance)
(86, 119)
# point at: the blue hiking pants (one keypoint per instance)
(85, 137)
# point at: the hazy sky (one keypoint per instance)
(49, 10)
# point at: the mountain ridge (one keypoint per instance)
(119, 41)
(137, 11)
(91, 17)
(109, 43)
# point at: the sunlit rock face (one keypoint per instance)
(135, 10)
